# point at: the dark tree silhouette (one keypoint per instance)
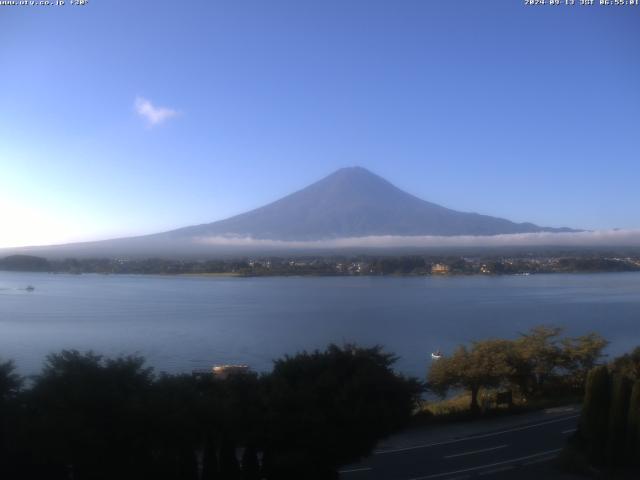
(10, 381)
(329, 408)
(10, 384)
(86, 417)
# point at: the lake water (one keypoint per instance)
(183, 323)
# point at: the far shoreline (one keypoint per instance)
(311, 275)
(416, 265)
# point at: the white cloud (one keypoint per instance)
(152, 114)
(596, 238)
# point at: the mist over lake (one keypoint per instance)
(184, 323)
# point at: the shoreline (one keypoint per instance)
(317, 275)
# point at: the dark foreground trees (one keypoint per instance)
(329, 408)
(10, 384)
(608, 435)
(89, 417)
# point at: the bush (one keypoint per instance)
(90, 417)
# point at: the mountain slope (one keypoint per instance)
(353, 202)
(349, 203)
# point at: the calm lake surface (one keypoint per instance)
(183, 323)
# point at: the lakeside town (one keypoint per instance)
(524, 264)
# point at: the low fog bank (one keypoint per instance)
(234, 246)
(597, 238)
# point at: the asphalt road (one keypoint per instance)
(491, 454)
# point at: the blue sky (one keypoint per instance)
(528, 113)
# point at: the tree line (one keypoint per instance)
(539, 363)
(85, 416)
(322, 265)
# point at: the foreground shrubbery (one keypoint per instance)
(89, 417)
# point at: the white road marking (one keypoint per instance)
(475, 437)
(571, 430)
(560, 410)
(353, 470)
(490, 465)
(539, 460)
(475, 451)
(497, 470)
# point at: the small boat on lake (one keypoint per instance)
(437, 355)
(225, 371)
(222, 372)
(30, 288)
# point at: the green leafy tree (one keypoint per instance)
(487, 364)
(580, 355)
(618, 419)
(594, 419)
(628, 364)
(538, 357)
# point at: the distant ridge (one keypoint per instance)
(353, 202)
